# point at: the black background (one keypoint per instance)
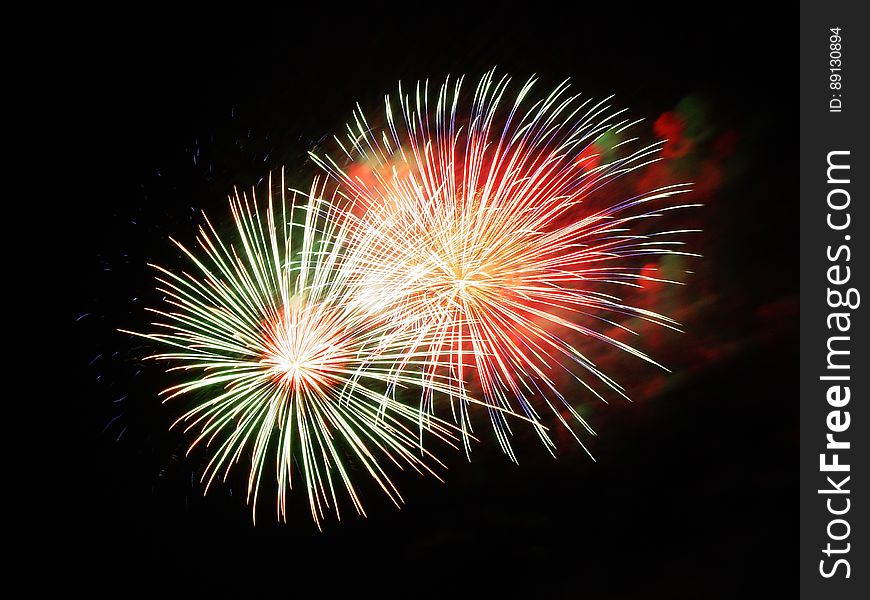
(693, 496)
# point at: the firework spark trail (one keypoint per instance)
(483, 230)
(270, 343)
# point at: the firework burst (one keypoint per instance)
(279, 363)
(493, 230)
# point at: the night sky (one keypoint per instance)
(694, 492)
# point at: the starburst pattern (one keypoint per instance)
(281, 365)
(501, 234)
